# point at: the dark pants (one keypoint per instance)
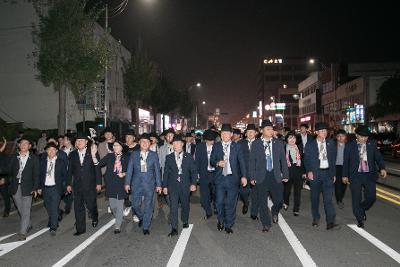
(362, 200)
(226, 192)
(340, 187)
(207, 192)
(179, 195)
(244, 193)
(68, 199)
(322, 183)
(84, 198)
(269, 187)
(254, 202)
(145, 190)
(295, 181)
(6, 198)
(52, 198)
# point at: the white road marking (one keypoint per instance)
(177, 254)
(7, 247)
(376, 242)
(33, 205)
(84, 244)
(6, 236)
(393, 169)
(298, 248)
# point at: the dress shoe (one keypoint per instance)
(228, 231)
(60, 215)
(207, 217)
(117, 231)
(332, 226)
(360, 224)
(174, 232)
(146, 232)
(185, 225)
(275, 218)
(254, 217)
(6, 214)
(245, 209)
(365, 217)
(220, 226)
(265, 229)
(140, 224)
(340, 205)
(295, 213)
(285, 206)
(315, 223)
(21, 237)
(95, 223)
(78, 233)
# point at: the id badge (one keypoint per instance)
(143, 166)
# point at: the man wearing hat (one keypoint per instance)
(230, 164)
(164, 151)
(206, 173)
(84, 180)
(245, 146)
(143, 177)
(320, 165)
(361, 157)
(267, 170)
(179, 180)
(53, 178)
(190, 145)
(24, 183)
(237, 135)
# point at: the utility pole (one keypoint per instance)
(263, 89)
(106, 75)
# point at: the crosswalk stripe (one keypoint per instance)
(6, 236)
(84, 244)
(177, 254)
(376, 242)
(298, 248)
(7, 247)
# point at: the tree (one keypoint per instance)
(387, 95)
(68, 54)
(139, 81)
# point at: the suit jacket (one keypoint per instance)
(30, 175)
(299, 140)
(192, 148)
(201, 159)
(85, 176)
(113, 183)
(188, 176)
(311, 157)
(134, 176)
(258, 162)
(162, 154)
(351, 159)
(244, 148)
(60, 174)
(236, 161)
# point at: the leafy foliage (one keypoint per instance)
(387, 97)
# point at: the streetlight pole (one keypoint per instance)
(198, 85)
(106, 76)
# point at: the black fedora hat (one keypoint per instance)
(51, 144)
(226, 127)
(177, 138)
(321, 126)
(81, 135)
(266, 123)
(363, 130)
(145, 136)
(209, 135)
(251, 126)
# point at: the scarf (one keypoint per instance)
(289, 152)
(117, 164)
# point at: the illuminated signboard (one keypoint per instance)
(273, 61)
(278, 106)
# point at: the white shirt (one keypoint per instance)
(68, 150)
(82, 154)
(188, 147)
(304, 139)
(209, 149)
(227, 151)
(323, 155)
(268, 150)
(250, 142)
(50, 172)
(179, 159)
(143, 160)
(22, 162)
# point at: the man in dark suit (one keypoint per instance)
(53, 178)
(84, 179)
(190, 144)
(359, 170)
(267, 170)
(24, 183)
(179, 180)
(229, 164)
(206, 173)
(245, 146)
(144, 177)
(320, 165)
(304, 137)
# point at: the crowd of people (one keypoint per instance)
(254, 167)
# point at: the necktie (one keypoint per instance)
(268, 156)
(179, 163)
(226, 159)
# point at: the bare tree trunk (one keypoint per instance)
(137, 121)
(163, 122)
(155, 120)
(62, 103)
(84, 119)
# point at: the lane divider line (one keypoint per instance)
(298, 248)
(177, 254)
(84, 244)
(7, 247)
(387, 193)
(5, 237)
(388, 198)
(376, 242)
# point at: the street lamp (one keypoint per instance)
(198, 85)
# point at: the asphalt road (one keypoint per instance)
(294, 242)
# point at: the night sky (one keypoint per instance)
(221, 43)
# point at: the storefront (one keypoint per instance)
(145, 121)
(354, 116)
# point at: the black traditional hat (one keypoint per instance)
(266, 123)
(321, 126)
(363, 130)
(226, 127)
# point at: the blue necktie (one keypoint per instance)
(268, 157)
